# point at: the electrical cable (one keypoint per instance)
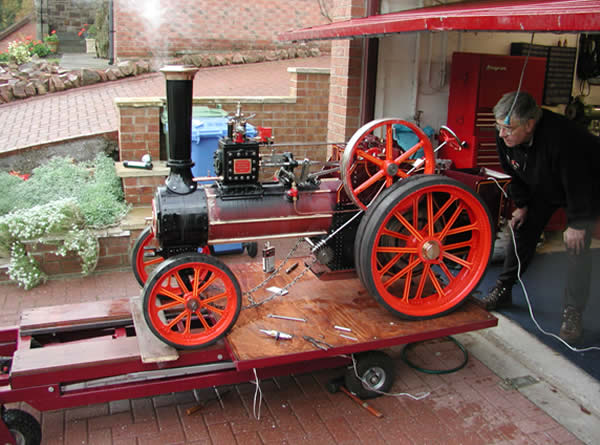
(257, 396)
(542, 330)
(512, 107)
(437, 371)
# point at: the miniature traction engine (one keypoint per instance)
(420, 242)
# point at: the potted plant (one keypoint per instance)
(88, 32)
(52, 41)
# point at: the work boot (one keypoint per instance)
(571, 328)
(498, 297)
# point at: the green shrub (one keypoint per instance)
(9, 185)
(61, 200)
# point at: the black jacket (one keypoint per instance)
(560, 169)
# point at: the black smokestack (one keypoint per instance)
(180, 82)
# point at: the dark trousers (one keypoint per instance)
(579, 267)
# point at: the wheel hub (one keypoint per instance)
(431, 250)
(192, 304)
(391, 169)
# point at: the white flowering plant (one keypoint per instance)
(42, 224)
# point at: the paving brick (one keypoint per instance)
(221, 434)
(76, 432)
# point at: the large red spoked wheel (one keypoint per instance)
(199, 309)
(372, 161)
(426, 243)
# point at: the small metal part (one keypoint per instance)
(318, 343)
(291, 268)
(342, 328)
(284, 317)
(277, 335)
(349, 337)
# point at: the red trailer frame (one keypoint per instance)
(74, 355)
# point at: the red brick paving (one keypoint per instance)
(465, 407)
(91, 110)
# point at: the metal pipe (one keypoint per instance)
(180, 84)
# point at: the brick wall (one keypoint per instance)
(300, 117)
(139, 128)
(155, 28)
(114, 248)
(346, 65)
(66, 15)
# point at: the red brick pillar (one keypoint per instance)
(346, 62)
(139, 127)
(310, 86)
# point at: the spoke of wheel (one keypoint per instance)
(205, 301)
(424, 276)
(458, 245)
(390, 249)
(369, 182)
(390, 263)
(429, 198)
(198, 291)
(436, 283)
(196, 281)
(409, 267)
(188, 325)
(408, 153)
(368, 157)
(214, 309)
(167, 293)
(441, 211)
(452, 220)
(181, 283)
(202, 320)
(391, 233)
(170, 305)
(462, 229)
(152, 261)
(447, 272)
(408, 226)
(177, 319)
(407, 284)
(389, 145)
(458, 260)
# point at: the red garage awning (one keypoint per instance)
(522, 16)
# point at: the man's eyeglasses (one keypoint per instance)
(507, 130)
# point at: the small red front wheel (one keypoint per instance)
(191, 300)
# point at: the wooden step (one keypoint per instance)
(152, 349)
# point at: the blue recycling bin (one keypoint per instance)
(206, 132)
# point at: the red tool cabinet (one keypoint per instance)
(477, 82)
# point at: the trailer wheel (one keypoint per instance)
(372, 161)
(251, 249)
(374, 374)
(144, 257)
(191, 301)
(425, 246)
(23, 426)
